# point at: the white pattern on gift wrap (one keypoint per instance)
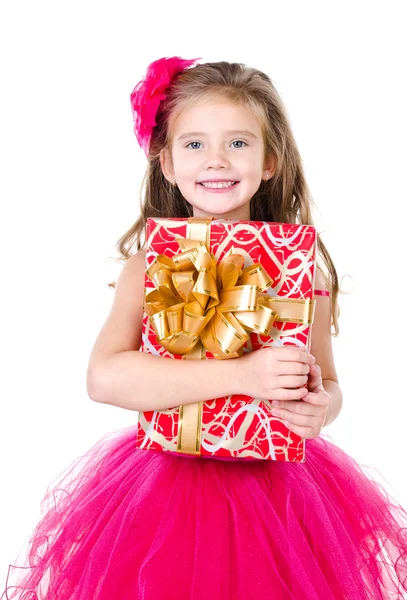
(278, 342)
(147, 344)
(232, 236)
(151, 434)
(285, 242)
(256, 410)
(149, 429)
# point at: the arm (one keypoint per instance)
(120, 375)
(336, 404)
(139, 381)
(321, 348)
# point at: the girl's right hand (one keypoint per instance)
(275, 373)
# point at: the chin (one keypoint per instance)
(217, 206)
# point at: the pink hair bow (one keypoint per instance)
(148, 93)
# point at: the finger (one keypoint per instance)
(291, 381)
(284, 394)
(298, 419)
(317, 398)
(293, 368)
(304, 432)
(315, 371)
(288, 353)
(315, 383)
(295, 407)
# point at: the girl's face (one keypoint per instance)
(217, 141)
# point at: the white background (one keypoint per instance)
(71, 175)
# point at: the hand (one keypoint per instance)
(306, 418)
(274, 373)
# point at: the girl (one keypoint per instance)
(137, 524)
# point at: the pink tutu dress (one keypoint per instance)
(122, 523)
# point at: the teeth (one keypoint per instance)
(222, 184)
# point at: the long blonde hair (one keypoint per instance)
(283, 198)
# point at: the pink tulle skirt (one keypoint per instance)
(124, 524)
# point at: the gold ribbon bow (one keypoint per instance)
(199, 304)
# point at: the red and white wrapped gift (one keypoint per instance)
(215, 289)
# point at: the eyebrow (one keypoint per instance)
(233, 132)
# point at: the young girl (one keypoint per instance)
(126, 523)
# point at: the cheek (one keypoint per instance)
(252, 176)
(185, 169)
(251, 169)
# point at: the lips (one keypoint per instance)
(201, 183)
(218, 189)
(217, 181)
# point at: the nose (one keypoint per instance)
(217, 158)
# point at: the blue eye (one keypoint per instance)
(239, 142)
(187, 146)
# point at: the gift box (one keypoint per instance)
(215, 289)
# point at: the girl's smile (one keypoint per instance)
(218, 186)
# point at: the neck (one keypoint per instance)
(239, 214)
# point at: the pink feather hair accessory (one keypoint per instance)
(150, 91)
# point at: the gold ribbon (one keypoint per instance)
(200, 305)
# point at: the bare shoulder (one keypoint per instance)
(132, 274)
(122, 329)
(320, 283)
(321, 337)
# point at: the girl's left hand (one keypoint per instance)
(307, 418)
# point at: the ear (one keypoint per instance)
(270, 164)
(166, 163)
